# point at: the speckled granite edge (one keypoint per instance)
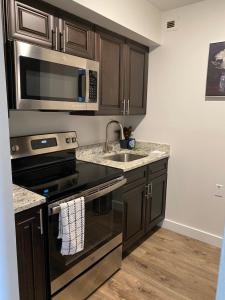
(95, 154)
(24, 199)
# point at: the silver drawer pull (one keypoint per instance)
(41, 222)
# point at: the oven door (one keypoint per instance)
(51, 80)
(103, 233)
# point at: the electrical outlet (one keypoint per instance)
(219, 190)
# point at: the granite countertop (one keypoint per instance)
(96, 154)
(24, 199)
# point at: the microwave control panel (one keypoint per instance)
(93, 86)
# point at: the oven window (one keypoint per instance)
(43, 80)
(103, 222)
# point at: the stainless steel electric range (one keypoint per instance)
(46, 164)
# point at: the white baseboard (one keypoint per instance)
(194, 233)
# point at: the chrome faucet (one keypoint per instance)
(107, 148)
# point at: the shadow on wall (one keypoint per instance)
(134, 121)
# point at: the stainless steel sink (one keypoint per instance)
(125, 157)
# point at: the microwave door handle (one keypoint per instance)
(90, 197)
(82, 85)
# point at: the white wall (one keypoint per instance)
(179, 115)
(8, 260)
(138, 15)
(137, 19)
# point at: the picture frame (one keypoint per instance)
(215, 83)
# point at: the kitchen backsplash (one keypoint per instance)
(90, 130)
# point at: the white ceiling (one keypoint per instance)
(171, 4)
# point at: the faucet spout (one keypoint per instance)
(107, 133)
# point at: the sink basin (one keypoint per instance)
(125, 157)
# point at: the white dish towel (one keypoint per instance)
(72, 226)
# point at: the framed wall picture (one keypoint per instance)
(215, 85)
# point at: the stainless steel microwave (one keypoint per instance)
(51, 80)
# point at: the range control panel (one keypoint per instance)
(44, 143)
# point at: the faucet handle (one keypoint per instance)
(108, 147)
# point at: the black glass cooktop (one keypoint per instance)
(65, 178)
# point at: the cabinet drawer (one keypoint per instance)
(135, 177)
(157, 168)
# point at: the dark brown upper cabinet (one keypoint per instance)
(110, 54)
(50, 27)
(30, 24)
(136, 78)
(76, 38)
(123, 74)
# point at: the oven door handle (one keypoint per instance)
(106, 190)
(90, 197)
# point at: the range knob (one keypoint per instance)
(15, 148)
(68, 140)
(73, 139)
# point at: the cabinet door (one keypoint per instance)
(31, 257)
(136, 78)
(134, 221)
(77, 38)
(30, 24)
(110, 54)
(156, 201)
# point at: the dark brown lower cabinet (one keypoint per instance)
(134, 209)
(144, 200)
(156, 201)
(31, 250)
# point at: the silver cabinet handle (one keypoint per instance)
(52, 30)
(147, 190)
(56, 38)
(53, 33)
(60, 34)
(41, 222)
(124, 107)
(64, 40)
(128, 106)
(150, 189)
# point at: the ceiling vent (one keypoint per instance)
(171, 25)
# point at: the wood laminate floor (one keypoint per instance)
(167, 266)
